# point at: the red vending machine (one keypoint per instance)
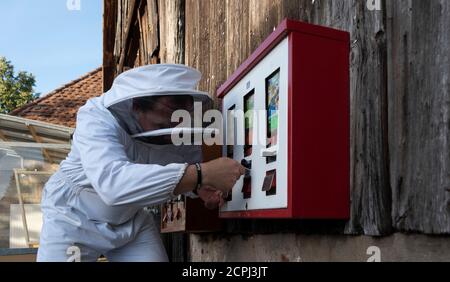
(286, 118)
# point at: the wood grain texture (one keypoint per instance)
(237, 34)
(127, 53)
(172, 40)
(109, 32)
(171, 24)
(143, 33)
(153, 41)
(419, 122)
(248, 23)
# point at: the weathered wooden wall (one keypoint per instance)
(220, 35)
(419, 121)
(400, 177)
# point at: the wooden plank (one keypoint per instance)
(131, 7)
(120, 31)
(217, 55)
(171, 49)
(192, 33)
(419, 123)
(237, 34)
(205, 45)
(171, 25)
(118, 36)
(153, 44)
(197, 39)
(132, 58)
(264, 17)
(109, 31)
(142, 34)
(370, 189)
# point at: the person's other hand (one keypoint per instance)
(222, 174)
(212, 198)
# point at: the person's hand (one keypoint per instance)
(222, 174)
(212, 198)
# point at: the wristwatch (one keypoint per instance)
(199, 178)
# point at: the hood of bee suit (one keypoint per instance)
(151, 80)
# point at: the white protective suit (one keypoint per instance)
(96, 200)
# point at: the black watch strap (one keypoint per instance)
(199, 178)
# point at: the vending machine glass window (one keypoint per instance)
(272, 106)
(249, 113)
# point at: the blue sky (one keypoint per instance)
(49, 40)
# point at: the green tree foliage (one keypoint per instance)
(15, 90)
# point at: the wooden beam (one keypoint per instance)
(109, 32)
(142, 20)
(419, 128)
(171, 31)
(153, 27)
(38, 139)
(126, 39)
(132, 55)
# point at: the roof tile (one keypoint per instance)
(61, 105)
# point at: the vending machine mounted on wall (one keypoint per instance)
(294, 133)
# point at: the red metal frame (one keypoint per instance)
(319, 66)
(285, 27)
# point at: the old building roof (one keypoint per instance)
(61, 105)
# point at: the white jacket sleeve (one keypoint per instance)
(107, 166)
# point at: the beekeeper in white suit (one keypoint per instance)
(94, 205)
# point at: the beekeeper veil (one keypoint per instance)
(149, 81)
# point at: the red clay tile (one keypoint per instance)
(61, 105)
